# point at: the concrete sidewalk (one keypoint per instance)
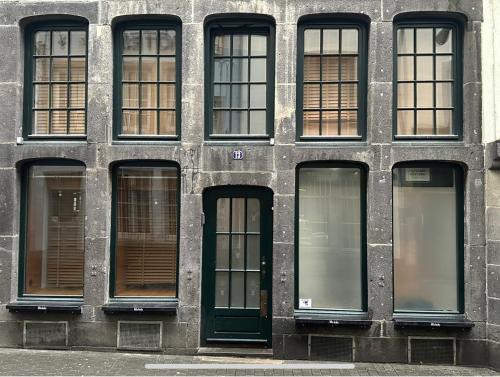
(85, 363)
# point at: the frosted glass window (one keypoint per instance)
(330, 250)
(425, 238)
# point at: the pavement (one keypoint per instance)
(25, 362)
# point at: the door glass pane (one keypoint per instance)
(253, 215)
(222, 257)
(237, 289)
(253, 252)
(55, 231)
(223, 214)
(425, 238)
(253, 290)
(238, 224)
(222, 289)
(329, 237)
(146, 231)
(237, 252)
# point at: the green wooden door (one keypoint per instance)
(237, 265)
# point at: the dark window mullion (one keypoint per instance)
(230, 254)
(157, 81)
(139, 94)
(415, 85)
(49, 128)
(248, 80)
(339, 96)
(68, 94)
(320, 120)
(245, 255)
(434, 98)
(230, 83)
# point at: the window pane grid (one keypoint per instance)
(429, 116)
(152, 114)
(236, 115)
(332, 123)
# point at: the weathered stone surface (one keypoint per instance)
(12, 12)
(380, 288)
(494, 311)
(382, 350)
(472, 352)
(10, 116)
(473, 9)
(9, 59)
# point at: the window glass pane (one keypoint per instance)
(258, 96)
(221, 289)
(130, 69)
(405, 95)
(146, 237)
(149, 42)
(405, 41)
(240, 70)
(425, 95)
(167, 96)
(77, 96)
(167, 42)
(349, 41)
(258, 70)
(222, 96)
(330, 70)
(349, 96)
(330, 41)
(444, 95)
(130, 94)
(444, 40)
(222, 70)
(78, 42)
(311, 123)
(312, 41)
(77, 69)
(311, 96)
(130, 122)
(349, 68)
(239, 122)
(444, 119)
(424, 41)
(167, 69)
(405, 122)
(444, 68)
(405, 68)
(258, 45)
(425, 122)
(240, 45)
(221, 122)
(425, 238)
(258, 122)
(222, 45)
(131, 42)
(424, 68)
(59, 43)
(167, 122)
(59, 69)
(41, 96)
(330, 123)
(41, 122)
(149, 69)
(42, 66)
(239, 96)
(148, 96)
(329, 237)
(42, 43)
(55, 231)
(59, 122)
(149, 123)
(330, 96)
(312, 68)
(59, 96)
(77, 122)
(348, 123)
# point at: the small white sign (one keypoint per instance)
(237, 155)
(418, 175)
(305, 303)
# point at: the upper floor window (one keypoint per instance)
(240, 79)
(147, 80)
(56, 80)
(53, 240)
(427, 80)
(331, 81)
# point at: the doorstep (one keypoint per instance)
(235, 352)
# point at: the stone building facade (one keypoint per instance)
(267, 167)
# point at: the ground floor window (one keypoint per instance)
(54, 210)
(145, 228)
(331, 252)
(428, 237)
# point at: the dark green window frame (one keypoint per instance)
(255, 24)
(457, 92)
(114, 228)
(149, 24)
(325, 23)
(29, 71)
(363, 239)
(460, 203)
(23, 227)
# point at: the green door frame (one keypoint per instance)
(241, 325)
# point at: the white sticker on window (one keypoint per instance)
(418, 175)
(305, 303)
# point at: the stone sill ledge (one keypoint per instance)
(457, 322)
(332, 319)
(138, 307)
(74, 307)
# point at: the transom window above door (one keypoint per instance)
(147, 80)
(331, 84)
(240, 91)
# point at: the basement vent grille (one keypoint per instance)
(137, 335)
(331, 348)
(432, 351)
(45, 334)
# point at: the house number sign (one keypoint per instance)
(237, 155)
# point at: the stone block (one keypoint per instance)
(493, 250)
(380, 56)
(11, 13)
(278, 347)
(9, 205)
(286, 54)
(92, 334)
(98, 203)
(473, 9)
(494, 355)
(475, 284)
(472, 114)
(192, 121)
(380, 208)
(285, 182)
(100, 55)
(296, 347)
(380, 129)
(11, 44)
(283, 280)
(256, 158)
(274, 8)
(494, 311)
(493, 332)
(370, 8)
(10, 116)
(381, 350)
(175, 335)
(493, 223)
(116, 8)
(128, 152)
(99, 113)
(6, 255)
(380, 290)
(193, 61)
(284, 206)
(492, 182)
(81, 152)
(11, 334)
(493, 281)
(472, 352)
(284, 113)
(472, 53)
(193, 335)
(475, 207)
(96, 272)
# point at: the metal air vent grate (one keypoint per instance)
(137, 335)
(45, 334)
(431, 351)
(331, 348)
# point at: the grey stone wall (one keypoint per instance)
(204, 164)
